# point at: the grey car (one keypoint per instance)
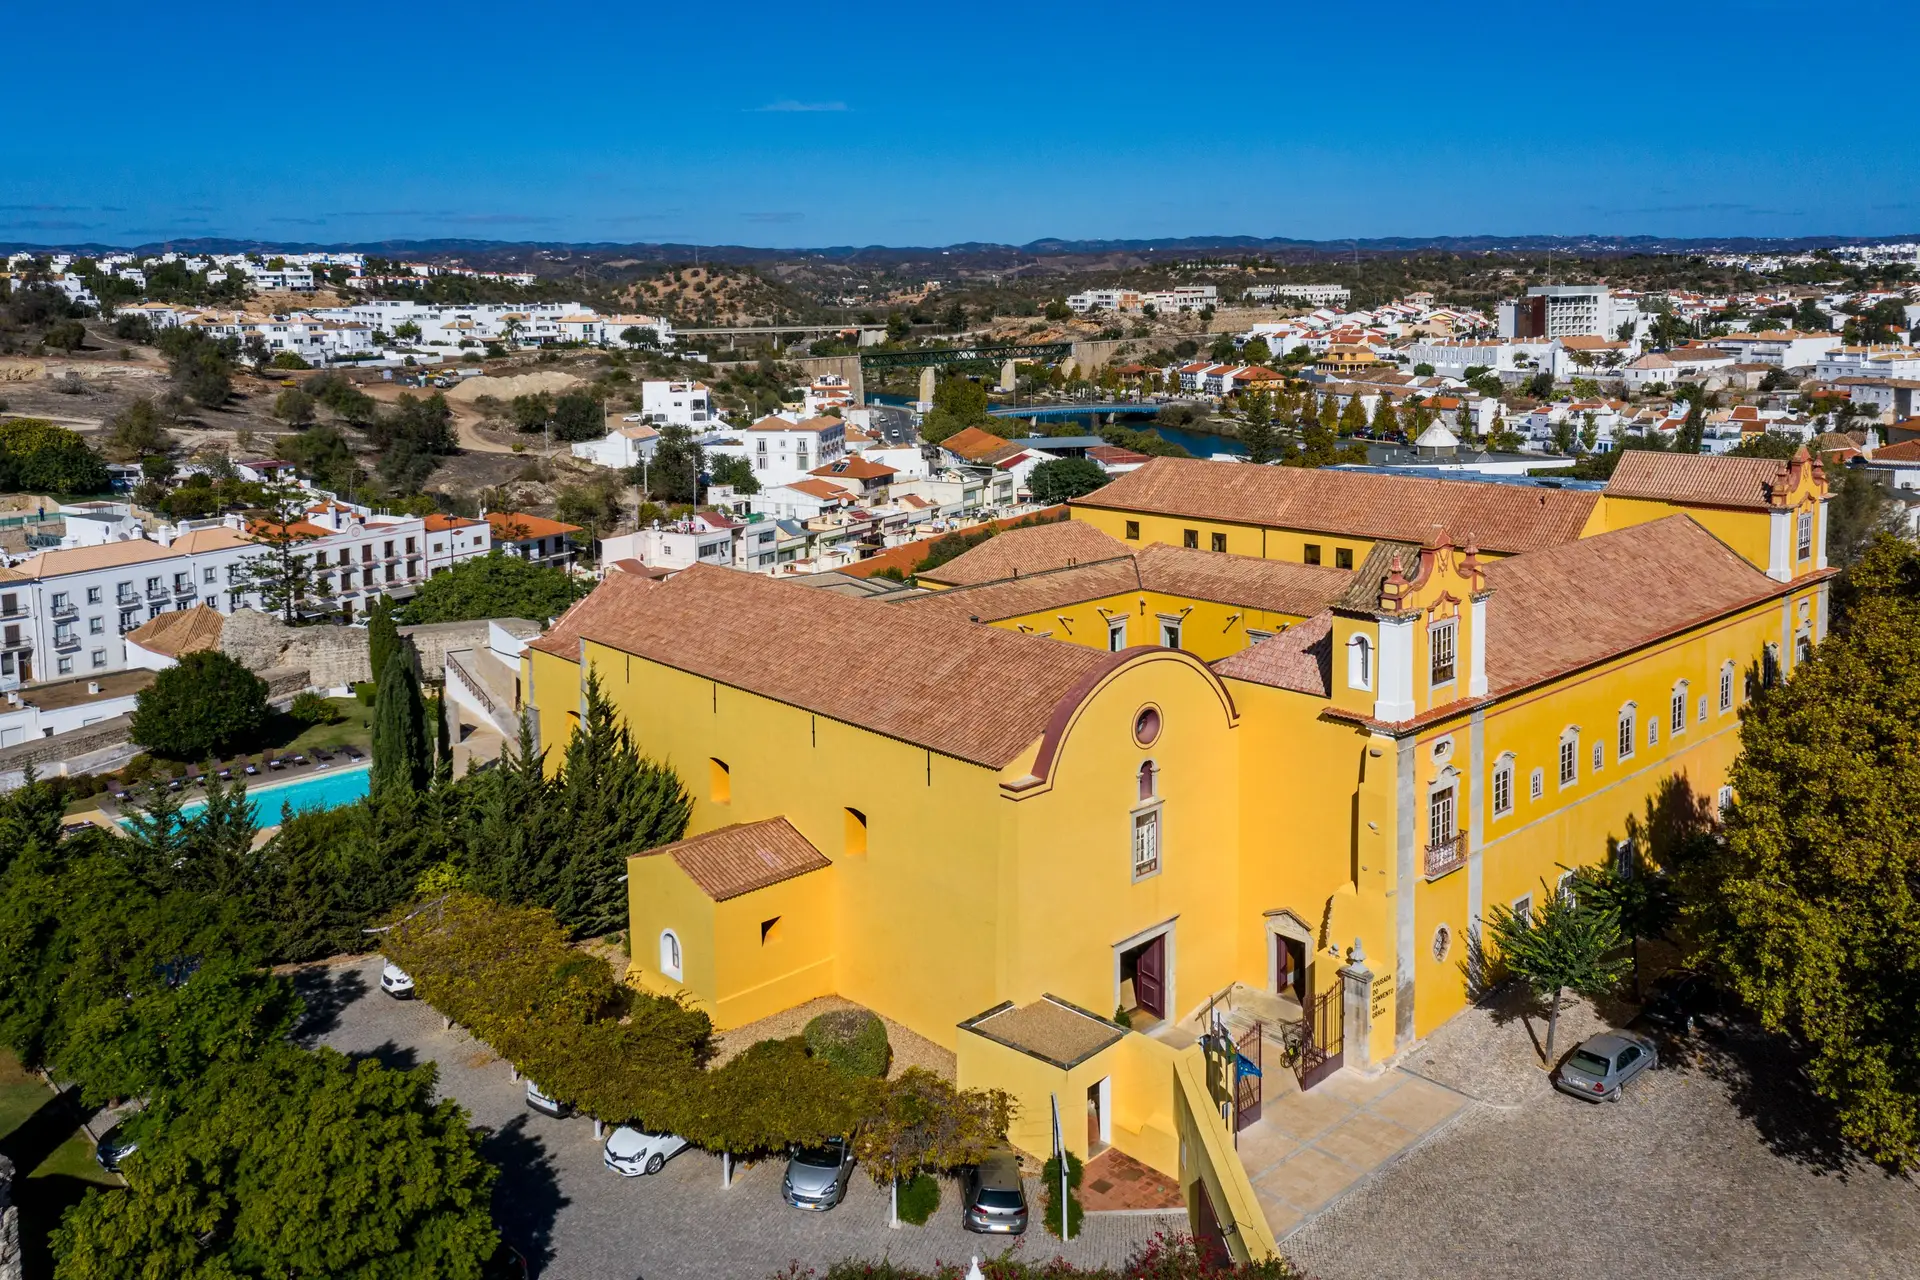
(114, 1146)
(817, 1176)
(1603, 1064)
(995, 1202)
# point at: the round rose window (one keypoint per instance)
(1146, 726)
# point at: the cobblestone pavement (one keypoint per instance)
(1718, 1164)
(577, 1220)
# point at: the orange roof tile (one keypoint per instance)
(746, 856)
(516, 526)
(1701, 478)
(978, 445)
(182, 631)
(1299, 658)
(1501, 518)
(1032, 550)
(818, 651)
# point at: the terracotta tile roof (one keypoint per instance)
(182, 631)
(978, 445)
(974, 693)
(825, 490)
(1023, 551)
(743, 857)
(1299, 658)
(1706, 479)
(515, 526)
(1502, 518)
(105, 555)
(1907, 451)
(1277, 586)
(855, 468)
(1557, 610)
(439, 522)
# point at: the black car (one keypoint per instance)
(995, 1201)
(507, 1263)
(1680, 1002)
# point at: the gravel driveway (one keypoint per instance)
(1718, 1164)
(578, 1221)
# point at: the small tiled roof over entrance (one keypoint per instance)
(746, 856)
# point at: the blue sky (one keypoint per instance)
(910, 123)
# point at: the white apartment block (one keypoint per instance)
(678, 404)
(781, 450)
(1868, 362)
(1452, 357)
(1784, 348)
(1314, 295)
(1184, 298)
(1559, 311)
(625, 446)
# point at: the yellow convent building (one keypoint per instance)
(1228, 729)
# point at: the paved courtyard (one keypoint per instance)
(1718, 1164)
(578, 1221)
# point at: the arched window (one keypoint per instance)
(1629, 730)
(670, 954)
(1677, 715)
(1726, 687)
(1359, 663)
(1149, 781)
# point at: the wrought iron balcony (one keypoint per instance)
(65, 609)
(1449, 855)
(157, 593)
(67, 643)
(183, 588)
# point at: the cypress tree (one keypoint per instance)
(400, 750)
(383, 637)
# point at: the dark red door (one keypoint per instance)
(1150, 977)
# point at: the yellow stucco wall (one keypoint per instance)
(1242, 539)
(1209, 629)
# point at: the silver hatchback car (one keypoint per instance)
(817, 1176)
(1603, 1064)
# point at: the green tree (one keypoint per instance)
(402, 758)
(323, 455)
(1065, 479)
(295, 1164)
(1058, 311)
(1810, 911)
(737, 472)
(1353, 417)
(618, 803)
(922, 1123)
(578, 416)
(284, 576)
(1256, 351)
(1562, 945)
(383, 637)
(1638, 895)
(1859, 512)
(38, 457)
(1563, 438)
(205, 705)
(293, 407)
(496, 585)
(678, 461)
(1256, 431)
(138, 431)
(1386, 423)
(1768, 444)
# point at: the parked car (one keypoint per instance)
(994, 1200)
(632, 1152)
(545, 1103)
(817, 1176)
(1603, 1063)
(507, 1263)
(395, 982)
(115, 1145)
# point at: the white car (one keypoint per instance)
(546, 1103)
(395, 982)
(632, 1152)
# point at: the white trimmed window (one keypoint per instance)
(1441, 641)
(1360, 663)
(1537, 784)
(1116, 634)
(1503, 786)
(670, 954)
(1170, 632)
(1806, 535)
(1677, 709)
(1146, 843)
(1627, 728)
(1653, 731)
(1569, 757)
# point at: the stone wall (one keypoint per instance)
(44, 752)
(331, 655)
(10, 1264)
(433, 640)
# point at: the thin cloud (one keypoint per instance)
(302, 222)
(45, 208)
(782, 216)
(48, 224)
(789, 104)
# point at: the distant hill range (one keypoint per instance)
(976, 254)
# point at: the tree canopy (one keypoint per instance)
(1813, 909)
(1065, 479)
(38, 457)
(295, 1163)
(496, 585)
(206, 705)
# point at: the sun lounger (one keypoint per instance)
(276, 763)
(297, 761)
(225, 775)
(121, 795)
(253, 770)
(353, 754)
(323, 755)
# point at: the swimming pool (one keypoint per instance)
(328, 789)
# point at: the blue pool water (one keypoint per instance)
(328, 789)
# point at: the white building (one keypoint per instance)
(781, 450)
(1314, 295)
(625, 446)
(1559, 311)
(62, 707)
(680, 404)
(1783, 348)
(706, 537)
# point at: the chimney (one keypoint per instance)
(93, 687)
(163, 534)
